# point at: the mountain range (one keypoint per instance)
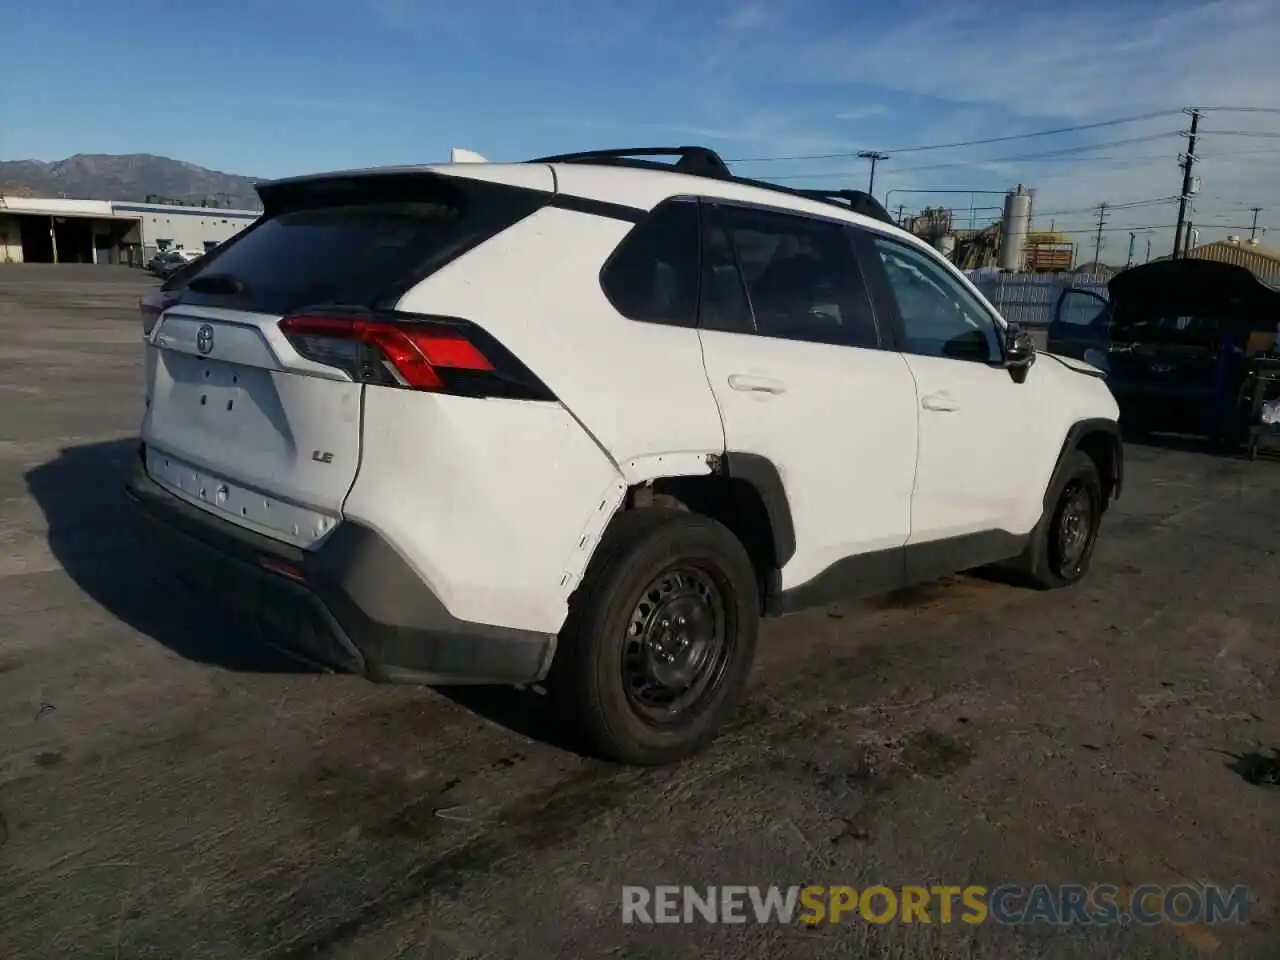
(136, 176)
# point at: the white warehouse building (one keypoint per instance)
(57, 230)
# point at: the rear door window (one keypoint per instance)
(801, 277)
(359, 247)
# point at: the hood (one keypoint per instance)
(1187, 287)
(1079, 366)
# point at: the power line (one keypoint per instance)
(1131, 205)
(1047, 155)
(917, 148)
(1053, 154)
(1241, 109)
(1259, 134)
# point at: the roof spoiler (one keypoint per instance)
(459, 155)
(705, 162)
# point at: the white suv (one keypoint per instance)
(585, 419)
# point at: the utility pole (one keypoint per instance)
(1133, 238)
(873, 157)
(901, 208)
(1148, 257)
(1102, 219)
(1187, 161)
(1253, 231)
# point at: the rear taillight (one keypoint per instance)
(151, 307)
(438, 354)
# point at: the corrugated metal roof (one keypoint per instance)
(1260, 260)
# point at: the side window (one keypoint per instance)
(940, 318)
(653, 274)
(1081, 308)
(723, 305)
(801, 276)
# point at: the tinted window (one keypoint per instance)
(653, 275)
(724, 304)
(355, 246)
(940, 318)
(801, 277)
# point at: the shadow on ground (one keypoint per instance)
(81, 493)
(1255, 768)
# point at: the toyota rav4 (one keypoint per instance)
(580, 422)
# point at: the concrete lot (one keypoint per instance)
(168, 789)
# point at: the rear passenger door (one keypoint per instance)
(795, 361)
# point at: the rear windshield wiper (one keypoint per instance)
(216, 283)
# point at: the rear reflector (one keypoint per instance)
(283, 568)
(438, 354)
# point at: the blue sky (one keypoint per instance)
(284, 87)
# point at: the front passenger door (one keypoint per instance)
(978, 427)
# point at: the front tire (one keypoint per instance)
(1062, 545)
(660, 637)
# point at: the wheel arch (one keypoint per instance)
(743, 491)
(1100, 440)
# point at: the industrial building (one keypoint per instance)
(1243, 253)
(57, 230)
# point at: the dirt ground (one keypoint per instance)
(170, 789)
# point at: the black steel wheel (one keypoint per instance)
(1062, 545)
(1074, 528)
(676, 644)
(660, 636)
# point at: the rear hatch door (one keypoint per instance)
(239, 421)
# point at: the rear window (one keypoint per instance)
(358, 247)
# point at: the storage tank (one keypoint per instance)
(946, 245)
(1017, 222)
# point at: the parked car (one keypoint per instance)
(1173, 337)
(586, 419)
(167, 262)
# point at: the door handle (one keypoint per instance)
(754, 384)
(942, 402)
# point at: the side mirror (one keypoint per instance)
(1019, 352)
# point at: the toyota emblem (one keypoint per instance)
(204, 338)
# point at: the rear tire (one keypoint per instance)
(669, 603)
(1063, 542)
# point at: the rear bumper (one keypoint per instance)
(353, 604)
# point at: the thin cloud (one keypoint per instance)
(870, 112)
(748, 16)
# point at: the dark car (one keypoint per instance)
(1173, 338)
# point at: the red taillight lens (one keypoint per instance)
(151, 307)
(420, 353)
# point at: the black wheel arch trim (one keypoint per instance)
(1078, 431)
(762, 473)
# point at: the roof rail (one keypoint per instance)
(696, 161)
(859, 201)
(705, 162)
